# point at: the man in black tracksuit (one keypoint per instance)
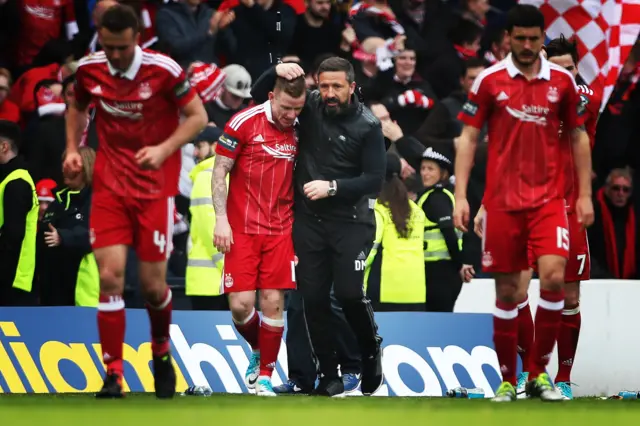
(340, 166)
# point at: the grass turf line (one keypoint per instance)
(145, 410)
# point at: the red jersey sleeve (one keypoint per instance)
(230, 142)
(476, 110)
(181, 90)
(80, 92)
(574, 110)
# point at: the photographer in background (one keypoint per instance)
(68, 273)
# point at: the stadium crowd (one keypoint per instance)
(415, 61)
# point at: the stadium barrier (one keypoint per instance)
(51, 350)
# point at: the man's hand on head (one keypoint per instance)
(290, 71)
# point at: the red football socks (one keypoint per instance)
(547, 325)
(111, 326)
(160, 319)
(249, 329)
(568, 342)
(505, 338)
(525, 333)
(270, 339)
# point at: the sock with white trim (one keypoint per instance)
(271, 331)
(160, 319)
(111, 326)
(568, 337)
(505, 338)
(547, 325)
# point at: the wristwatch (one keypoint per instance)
(332, 189)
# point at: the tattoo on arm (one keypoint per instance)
(221, 168)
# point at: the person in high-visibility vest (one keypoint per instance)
(204, 262)
(395, 273)
(67, 269)
(18, 221)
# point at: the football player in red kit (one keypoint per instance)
(253, 225)
(139, 96)
(565, 54)
(525, 99)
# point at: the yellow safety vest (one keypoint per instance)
(88, 280)
(27, 262)
(402, 278)
(204, 262)
(435, 247)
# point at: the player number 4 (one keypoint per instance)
(562, 238)
(159, 240)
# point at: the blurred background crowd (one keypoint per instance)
(415, 61)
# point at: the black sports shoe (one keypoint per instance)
(112, 387)
(372, 377)
(164, 376)
(329, 386)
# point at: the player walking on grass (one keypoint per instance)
(525, 99)
(253, 224)
(564, 53)
(139, 96)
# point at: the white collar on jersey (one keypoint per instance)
(131, 73)
(269, 114)
(545, 69)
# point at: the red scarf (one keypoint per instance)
(465, 53)
(383, 15)
(629, 266)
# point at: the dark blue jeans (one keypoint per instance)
(303, 368)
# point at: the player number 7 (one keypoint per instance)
(582, 258)
(562, 238)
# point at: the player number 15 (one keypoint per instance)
(562, 238)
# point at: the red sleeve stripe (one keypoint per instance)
(162, 62)
(244, 116)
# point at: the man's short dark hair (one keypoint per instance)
(294, 88)
(561, 46)
(525, 16)
(119, 18)
(337, 64)
(472, 63)
(465, 32)
(10, 132)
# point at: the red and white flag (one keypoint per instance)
(605, 31)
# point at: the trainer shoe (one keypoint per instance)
(264, 387)
(565, 390)
(289, 388)
(542, 387)
(351, 382)
(328, 386)
(372, 377)
(505, 393)
(112, 387)
(521, 385)
(164, 376)
(253, 370)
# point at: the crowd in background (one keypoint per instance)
(415, 62)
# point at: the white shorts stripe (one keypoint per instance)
(169, 236)
(244, 116)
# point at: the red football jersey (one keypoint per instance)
(590, 102)
(260, 197)
(134, 109)
(41, 21)
(523, 129)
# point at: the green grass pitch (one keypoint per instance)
(223, 410)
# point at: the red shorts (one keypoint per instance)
(145, 225)
(579, 264)
(259, 262)
(508, 235)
